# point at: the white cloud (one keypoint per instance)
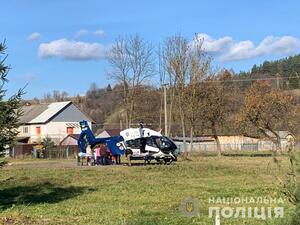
(227, 49)
(34, 36)
(81, 33)
(271, 45)
(70, 49)
(238, 51)
(99, 33)
(214, 45)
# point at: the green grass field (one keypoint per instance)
(59, 192)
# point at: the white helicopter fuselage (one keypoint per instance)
(152, 142)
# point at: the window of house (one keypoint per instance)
(25, 130)
(70, 130)
(38, 130)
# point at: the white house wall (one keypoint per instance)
(57, 131)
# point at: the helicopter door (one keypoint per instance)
(143, 142)
(151, 145)
(135, 146)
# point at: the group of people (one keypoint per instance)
(101, 155)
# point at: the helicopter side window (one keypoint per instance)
(136, 143)
(157, 142)
(151, 141)
(165, 142)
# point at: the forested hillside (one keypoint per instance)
(287, 70)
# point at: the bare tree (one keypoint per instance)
(186, 64)
(132, 63)
(120, 70)
(162, 82)
(57, 96)
(199, 69)
(176, 62)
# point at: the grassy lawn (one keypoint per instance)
(59, 192)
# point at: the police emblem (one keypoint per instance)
(190, 207)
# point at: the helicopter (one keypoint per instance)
(145, 144)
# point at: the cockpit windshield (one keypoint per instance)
(162, 142)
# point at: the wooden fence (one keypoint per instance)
(31, 151)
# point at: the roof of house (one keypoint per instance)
(74, 136)
(195, 139)
(22, 139)
(52, 110)
(282, 134)
(42, 113)
(110, 132)
(31, 112)
(113, 132)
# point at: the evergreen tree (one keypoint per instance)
(294, 80)
(108, 88)
(254, 69)
(48, 143)
(9, 108)
(288, 68)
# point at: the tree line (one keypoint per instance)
(286, 70)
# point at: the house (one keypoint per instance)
(70, 140)
(55, 120)
(109, 133)
(285, 138)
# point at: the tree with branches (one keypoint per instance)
(10, 111)
(265, 109)
(176, 62)
(131, 61)
(186, 65)
(215, 95)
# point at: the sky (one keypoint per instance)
(61, 44)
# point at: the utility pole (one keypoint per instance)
(165, 106)
(121, 125)
(277, 81)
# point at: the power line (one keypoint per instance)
(153, 88)
(148, 88)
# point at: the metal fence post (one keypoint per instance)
(67, 152)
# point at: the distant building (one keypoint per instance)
(109, 133)
(70, 140)
(55, 120)
(236, 142)
(284, 137)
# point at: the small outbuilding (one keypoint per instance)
(70, 140)
(109, 133)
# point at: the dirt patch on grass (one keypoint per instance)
(24, 220)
